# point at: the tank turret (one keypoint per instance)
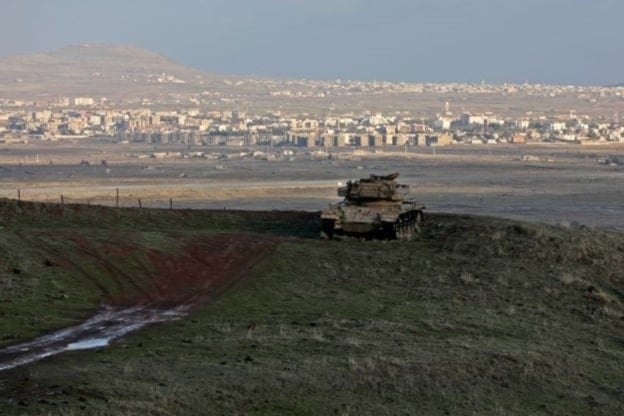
(373, 207)
(374, 189)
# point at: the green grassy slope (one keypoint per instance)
(57, 264)
(477, 315)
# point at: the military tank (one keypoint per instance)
(374, 207)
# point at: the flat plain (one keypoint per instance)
(541, 183)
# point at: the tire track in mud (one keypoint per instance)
(177, 284)
(205, 267)
(58, 257)
(98, 252)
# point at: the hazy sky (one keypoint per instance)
(547, 41)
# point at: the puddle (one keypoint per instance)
(88, 344)
(96, 332)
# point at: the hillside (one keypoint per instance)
(114, 71)
(476, 315)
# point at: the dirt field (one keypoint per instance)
(560, 184)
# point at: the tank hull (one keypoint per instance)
(390, 222)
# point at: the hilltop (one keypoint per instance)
(100, 70)
(476, 315)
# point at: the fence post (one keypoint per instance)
(140, 203)
(171, 203)
(117, 198)
(19, 195)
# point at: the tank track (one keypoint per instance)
(328, 229)
(405, 227)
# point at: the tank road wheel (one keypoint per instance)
(420, 217)
(406, 222)
(388, 230)
(399, 228)
(410, 223)
(327, 228)
(418, 220)
(407, 225)
(396, 230)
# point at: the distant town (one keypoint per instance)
(197, 120)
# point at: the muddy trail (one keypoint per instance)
(176, 284)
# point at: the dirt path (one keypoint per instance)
(180, 283)
(200, 270)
